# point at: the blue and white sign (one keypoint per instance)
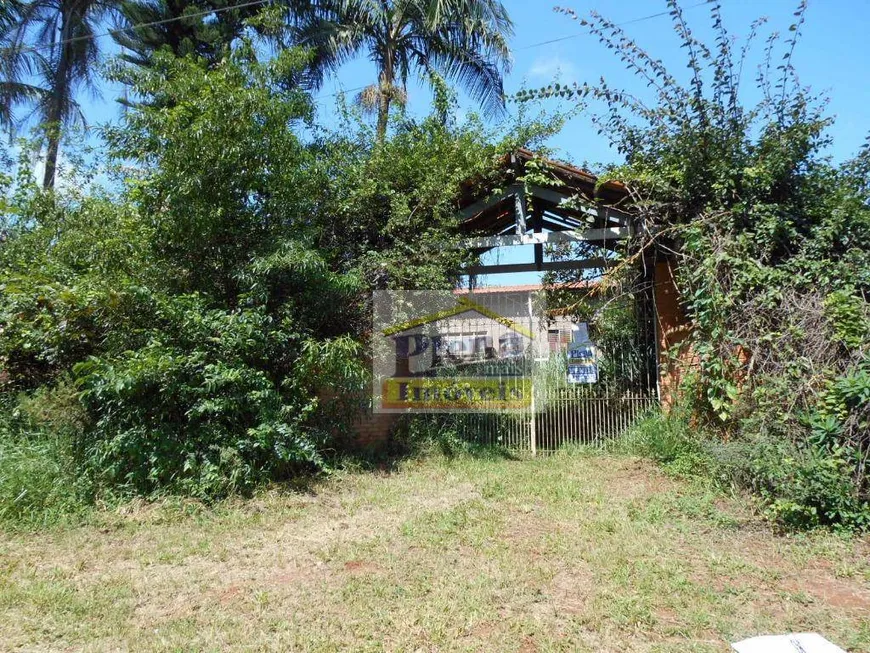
(582, 358)
(582, 374)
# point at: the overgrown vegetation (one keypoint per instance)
(771, 242)
(200, 326)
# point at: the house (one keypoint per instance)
(591, 224)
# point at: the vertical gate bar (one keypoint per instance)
(577, 415)
(566, 419)
(568, 423)
(533, 434)
(550, 420)
(550, 423)
(557, 427)
(601, 415)
(571, 413)
(547, 426)
(593, 417)
(574, 414)
(598, 421)
(557, 405)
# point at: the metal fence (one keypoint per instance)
(560, 412)
(563, 413)
(568, 416)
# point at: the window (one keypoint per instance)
(558, 339)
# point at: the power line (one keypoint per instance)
(112, 32)
(254, 3)
(627, 22)
(556, 40)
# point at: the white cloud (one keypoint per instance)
(553, 67)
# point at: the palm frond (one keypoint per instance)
(481, 79)
(464, 40)
(12, 94)
(9, 17)
(468, 46)
(54, 64)
(332, 44)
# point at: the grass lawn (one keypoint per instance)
(571, 552)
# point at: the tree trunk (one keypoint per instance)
(55, 116)
(53, 131)
(385, 97)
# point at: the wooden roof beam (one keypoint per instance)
(546, 266)
(589, 235)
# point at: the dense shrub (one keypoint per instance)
(771, 242)
(201, 410)
(798, 486)
(40, 484)
(667, 440)
(443, 435)
(205, 319)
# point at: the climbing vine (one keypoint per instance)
(771, 242)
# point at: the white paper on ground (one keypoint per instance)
(794, 643)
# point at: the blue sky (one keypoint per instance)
(832, 57)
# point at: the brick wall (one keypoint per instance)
(373, 429)
(672, 329)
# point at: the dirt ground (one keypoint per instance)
(572, 552)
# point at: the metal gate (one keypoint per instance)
(561, 412)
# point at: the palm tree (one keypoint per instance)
(53, 43)
(12, 67)
(465, 41)
(181, 26)
(8, 16)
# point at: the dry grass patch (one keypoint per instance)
(571, 552)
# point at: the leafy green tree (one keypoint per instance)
(202, 328)
(54, 42)
(463, 40)
(244, 194)
(192, 313)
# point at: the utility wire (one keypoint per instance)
(122, 30)
(627, 22)
(254, 3)
(556, 40)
